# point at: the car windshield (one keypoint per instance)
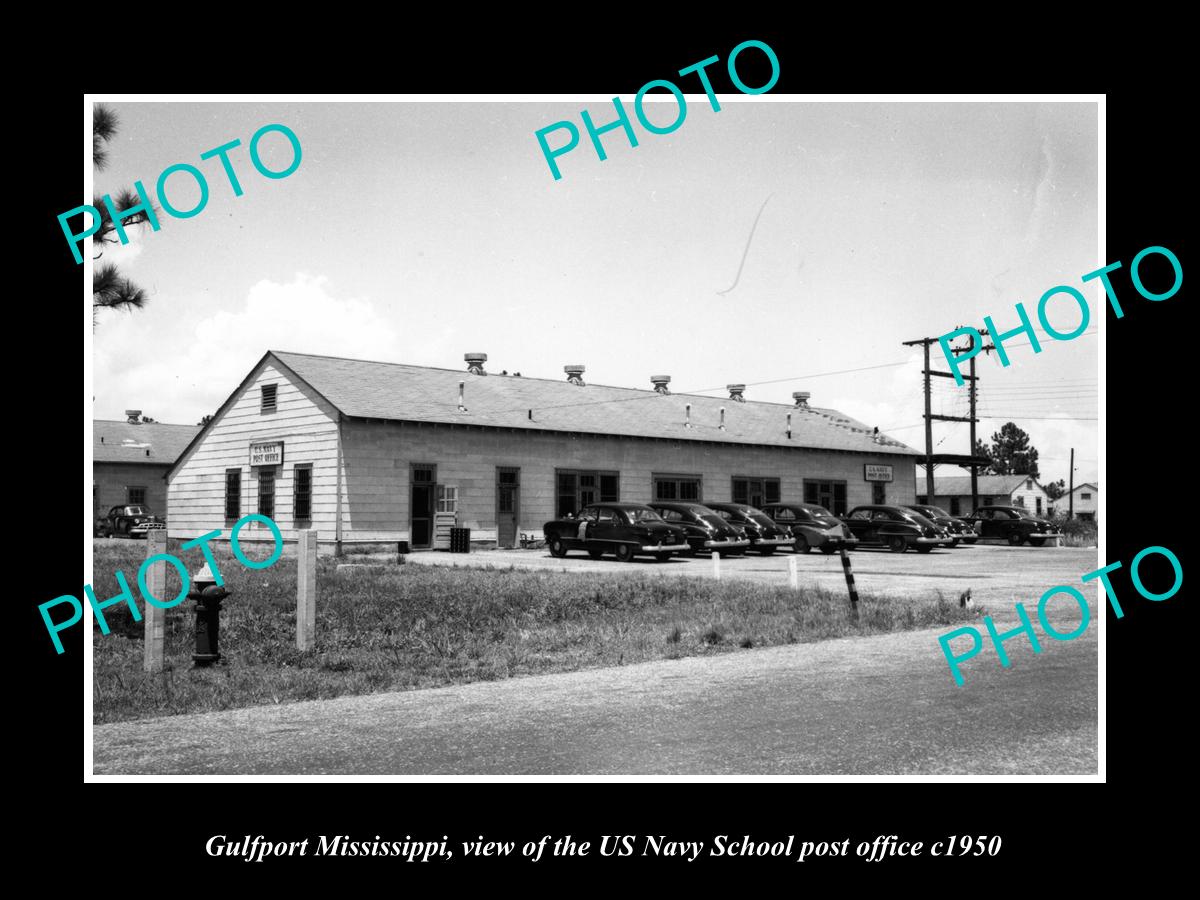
(643, 515)
(761, 518)
(930, 511)
(821, 514)
(135, 511)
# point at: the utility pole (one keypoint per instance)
(929, 416)
(1071, 488)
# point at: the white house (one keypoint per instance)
(1085, 500)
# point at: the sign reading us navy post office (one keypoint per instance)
(266, 453)
(872, 472)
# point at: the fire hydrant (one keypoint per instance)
(208, 597)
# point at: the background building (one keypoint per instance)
(1086, 501)
(369, 451)
(130, 461)
(953, 493)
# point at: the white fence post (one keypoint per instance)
(793, 572)
(306, 590)
(716, 558)
(155, 617)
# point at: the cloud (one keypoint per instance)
(177, 364)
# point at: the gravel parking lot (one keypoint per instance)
(995, 573)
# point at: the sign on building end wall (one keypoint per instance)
(870, 472)
(268, 453)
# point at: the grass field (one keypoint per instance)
(404, 627)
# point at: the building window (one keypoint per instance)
(447, 498)
(1019, 501)
(135, 495)
(577, 488)
(1038, 504)
(233, 494)
(268, 399)
(1029, 484)
(878, 493)
(829, 494)
(266, 491)
(302, 493)
(1081, 497)
(676, 487)
(756, 492)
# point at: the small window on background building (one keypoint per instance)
(268, 399)
(1081, 497)
(136, 495)
(266, 492)
(1029, 484)
(878, 493)
(233, 493)
(302, 493)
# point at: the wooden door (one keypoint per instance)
(508, 505)
(421, 509)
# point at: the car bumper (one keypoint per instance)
(145, 527)
(724, 545)
(837, 540)
(968, 538)
(927, 540)
(774, 542)
(1045, 534)
(665, 548)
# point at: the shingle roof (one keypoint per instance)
(1087, 484)
(960, 485)
(393, 391)
(122, 442)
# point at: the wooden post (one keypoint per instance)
(306, 590)
(850, 584)
(155, 618)
(793, 573)
(716, 558)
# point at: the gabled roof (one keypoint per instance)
(393, 391)
(960, 485)
(150, 443)
(1086, 484)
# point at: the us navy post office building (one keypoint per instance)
(383, 452)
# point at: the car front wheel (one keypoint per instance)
(624, 553)
(1037, 542)
(801, 545)
(897, 544)
(558, 548)
(1015, 538)
(924, 548)
(828, 549)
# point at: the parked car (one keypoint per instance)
(894, 527)
(705, 528)
(1013, 524)
(765, 536)
(129, 521)
(811, 526)
(624, 529)
(959, 530)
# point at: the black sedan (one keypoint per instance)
(1012, 524)
(959, 530)
(765, 536)
(624, 529)
(128, 521)
(811, 526)
(893, 527)
(705, 528)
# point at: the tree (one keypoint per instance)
(1010, 453)
(1055, 489)
(205, 420)
(148, 420)
(110, 290)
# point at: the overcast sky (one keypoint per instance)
(415, 232)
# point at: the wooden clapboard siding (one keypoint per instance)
(307, 425)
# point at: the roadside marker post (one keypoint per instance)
(716, 558)
(155, 617)
(850, 583)
(793, 573)
(306, 590)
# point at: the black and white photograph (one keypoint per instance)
(680, 434)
